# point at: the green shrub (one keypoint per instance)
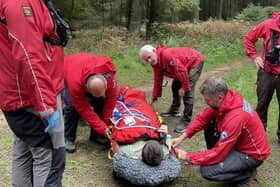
(255, 13)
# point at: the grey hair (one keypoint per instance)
(147, 48)
(96, 76)
(213, 86)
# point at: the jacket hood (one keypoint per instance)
(97, 64)
(160, 48)
(276, 15)
(232, 100)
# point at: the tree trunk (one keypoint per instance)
(153, 12)
(202, 13)
(195, 14)
(134, 16)
(220, 10)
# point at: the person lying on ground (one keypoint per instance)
(141, 152)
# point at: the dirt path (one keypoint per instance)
(224, 68)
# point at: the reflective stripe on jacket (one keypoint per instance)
(32, 70)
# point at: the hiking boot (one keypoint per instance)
(101, 139)
(169, 113)
(181, 127)
(70, 146)
(98, 138)
(174, 108)
(251, 181)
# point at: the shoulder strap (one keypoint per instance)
(62, 25)
(274, 38)
(2, 20)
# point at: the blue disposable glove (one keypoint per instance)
(52, 121)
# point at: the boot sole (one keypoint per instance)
(179, 131)
(169, 115)
(70, 150)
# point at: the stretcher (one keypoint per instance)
(131, 117)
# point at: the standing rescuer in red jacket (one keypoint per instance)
(184, 66)
(268, 63)
(91, 93)
(234, 134)
(31, 81)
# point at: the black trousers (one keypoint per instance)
(237, 166)
(267, 83)
(38, 157)
(188, 98)
(71, 116)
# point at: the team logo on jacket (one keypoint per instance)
(27, 11)
(247, 107)
(223, 135)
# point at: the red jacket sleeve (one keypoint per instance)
(231, 129)
(26, 33)
(87, 112)
(158, 79)
(111, 98)
(200, 121)
(251, 38)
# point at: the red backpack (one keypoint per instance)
(133, 117)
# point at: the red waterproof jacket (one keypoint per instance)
(77, 68)
(32, 70)
(264, 31)
(175, 63)
(134, 117)
(239, 126)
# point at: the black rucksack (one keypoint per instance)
(62, 26)
(272, 55)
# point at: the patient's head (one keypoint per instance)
(152, 153)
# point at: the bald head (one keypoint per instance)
(97, 85)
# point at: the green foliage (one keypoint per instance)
(88, 14)
(236, 81)
(173, 11)
(220, 53)
(83, 15)
(256, 13)
(186, 5)
(161, 31)
(172, 41)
